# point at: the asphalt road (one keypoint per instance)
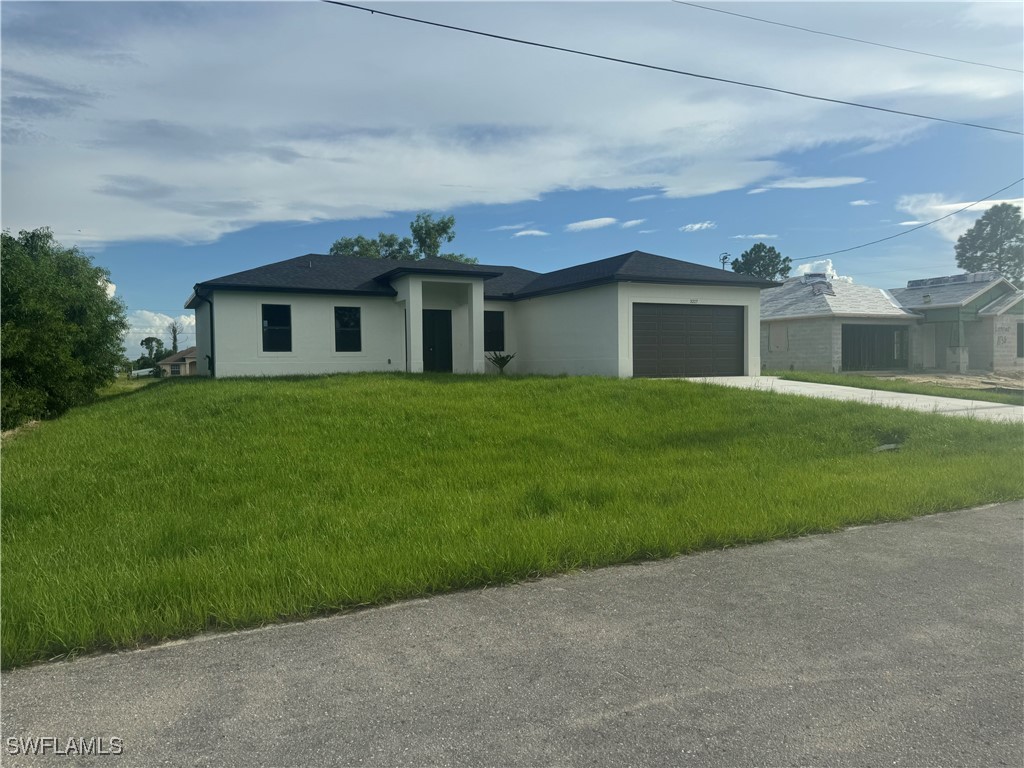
(888, 645)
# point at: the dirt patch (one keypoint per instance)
(1009, 381)
(12, 433)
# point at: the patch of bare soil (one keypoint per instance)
(12, 433)
(979, 380)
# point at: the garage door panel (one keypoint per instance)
(686, 340)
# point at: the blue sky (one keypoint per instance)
(176, 142)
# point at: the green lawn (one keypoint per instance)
(197, 504)
(900, 385)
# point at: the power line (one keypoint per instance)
(668, 69)
(844, 37)
(912, 229)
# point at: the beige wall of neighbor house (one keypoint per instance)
(239, 338)
(716, 295)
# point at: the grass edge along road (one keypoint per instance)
(220, 504)
(899, 385)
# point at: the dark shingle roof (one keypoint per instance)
(636, 266)
(320, 273)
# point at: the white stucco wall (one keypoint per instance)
(574, 332)
(719, 295)
(239, 338)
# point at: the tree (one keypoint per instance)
(762, 261)
(62, 331)
(995, 243)
(426, 240)
(174, 328)
(154, 351)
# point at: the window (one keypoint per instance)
(175, 369)
(347, 334)
(1020, 339)
(494, 331)
(277, 328)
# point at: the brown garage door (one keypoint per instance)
(687, 340)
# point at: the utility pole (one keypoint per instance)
(724, 258)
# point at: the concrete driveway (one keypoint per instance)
(896, 644)
(947, 406)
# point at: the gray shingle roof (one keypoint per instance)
(320, 273)
(1003, 303)
(953, 291)
(796, 299)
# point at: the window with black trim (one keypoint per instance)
(347, 329)
(277, 328)
(494, 331)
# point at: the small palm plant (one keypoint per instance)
(500, 359)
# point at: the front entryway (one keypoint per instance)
(437, 340)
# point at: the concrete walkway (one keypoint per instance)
(948, 406)
(895, 644)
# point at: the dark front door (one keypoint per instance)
(437, 340)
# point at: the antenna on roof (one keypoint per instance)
(724, 258)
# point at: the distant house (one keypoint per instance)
(959, 323)
(636, 314)
(969, 322)
(811, 323)
(182, 363)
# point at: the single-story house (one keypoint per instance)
(181, 363)
(959, 323)
(969, 322)
(636, 314)
(812, 323)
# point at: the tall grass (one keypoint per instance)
(197, 504)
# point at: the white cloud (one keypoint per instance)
(812, 182)
(239, 132)
(581, 226)
(863, 202)
(109, 287)
(646, 231)
(531, 233)
(825, 266)
(510, 227)
(698, 226)
(754, 237)
(928, 207)
(632, 223)
(143, 323)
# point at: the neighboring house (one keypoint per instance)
(959, 323)
(969, 322)
(181, 363)
(811, 323)
(631, 315)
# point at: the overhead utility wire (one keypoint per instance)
(844, 37)
(913, 229)
(668, 69)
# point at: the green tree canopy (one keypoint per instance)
(995, 242)
(427, 236)
(61, 330)
(762, 261)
